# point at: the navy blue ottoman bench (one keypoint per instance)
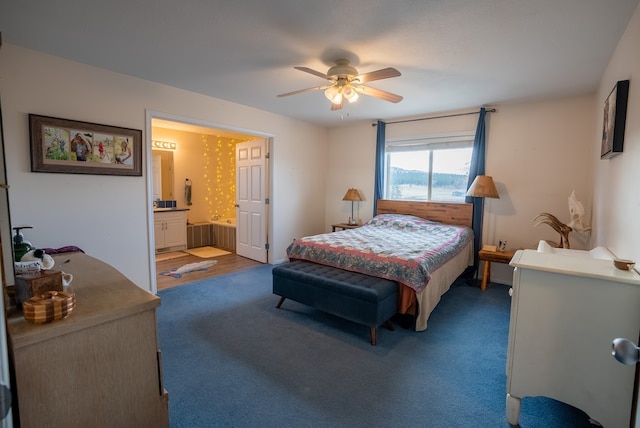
(353, 296)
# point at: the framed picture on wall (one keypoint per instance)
(615, 117)
(72, 147)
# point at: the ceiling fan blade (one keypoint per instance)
(301, 91)
(314, 72)
(335, 107)
(384, 73)
(378, 93)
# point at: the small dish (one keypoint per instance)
(623, 264)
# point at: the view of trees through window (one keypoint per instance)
(423, 175)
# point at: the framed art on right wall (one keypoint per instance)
(615, 117)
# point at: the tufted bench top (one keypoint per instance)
(358, 285)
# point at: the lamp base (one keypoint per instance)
(352, 219)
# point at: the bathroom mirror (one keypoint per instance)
(163, 183)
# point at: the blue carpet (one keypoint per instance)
(231, 359)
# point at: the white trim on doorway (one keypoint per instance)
(194, 125)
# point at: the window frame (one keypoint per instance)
(431, 143)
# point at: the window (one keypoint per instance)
(428, 169)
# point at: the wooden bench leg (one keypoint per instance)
(388, 324)
(280, 302)
(372, 333)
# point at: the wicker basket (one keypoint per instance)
(49, 306)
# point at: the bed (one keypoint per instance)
(423, 246)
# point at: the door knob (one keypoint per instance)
(625, 351)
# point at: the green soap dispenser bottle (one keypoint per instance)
(20, 246)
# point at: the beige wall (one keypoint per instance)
(616, 195)
(538, 153)
(109, 216)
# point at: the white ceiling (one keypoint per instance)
(452, 54)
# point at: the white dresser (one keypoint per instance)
(566, 309)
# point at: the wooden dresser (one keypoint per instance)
(99, 367)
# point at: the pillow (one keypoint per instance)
(398, 221)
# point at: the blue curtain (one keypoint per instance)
(477, 168)
(378, 190)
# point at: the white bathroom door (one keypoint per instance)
(251, 218)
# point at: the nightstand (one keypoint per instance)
(344, 226)
(492, 256)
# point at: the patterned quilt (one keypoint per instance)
(402, 248)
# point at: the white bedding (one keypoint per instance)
(440, 282)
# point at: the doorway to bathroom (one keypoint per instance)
(197, 166)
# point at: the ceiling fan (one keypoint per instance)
(347, 83)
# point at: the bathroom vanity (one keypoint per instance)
(567, 307)
(170, 229)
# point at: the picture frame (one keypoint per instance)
(615, 117)
(72, 147)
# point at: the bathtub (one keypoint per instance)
(219, 233)
(224, 233)
(227, 222)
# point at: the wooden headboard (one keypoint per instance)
(455, 213)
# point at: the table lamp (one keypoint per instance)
(352, 195)
(482, 187)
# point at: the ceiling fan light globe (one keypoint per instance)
(331, 93)
(350, 93)
(337, 99)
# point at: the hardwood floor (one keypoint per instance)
(225, 264)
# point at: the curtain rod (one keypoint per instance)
(436, 117)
